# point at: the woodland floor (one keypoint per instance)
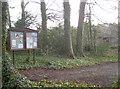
(103, 74)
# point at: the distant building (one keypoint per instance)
(109, 34)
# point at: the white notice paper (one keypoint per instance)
(20, 45)
(28, 45)
(35, 44)
(13, 43)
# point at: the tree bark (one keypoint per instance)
(0, 29)
(80, 29)
(4, 30)
(68, 40)
(119, 34)
(4, 36)
(8, 11)
(90, 29)
(44, 25)
(23, 14)
(0, 44)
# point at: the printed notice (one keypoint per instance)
(35, 44)
(31, 40)
(13, 43)
(16, 40)
(20, 45)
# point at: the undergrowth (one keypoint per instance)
(51, 62)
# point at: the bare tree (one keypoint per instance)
(23, 13)
(80, 28)
(68, 40)
(44, 24)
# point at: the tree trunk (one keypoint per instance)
(68, 40)
(4, 36)
(119, 33)
(23, 24)
(119, 42)
(90, 29)
(0, 44)
(23, 14)
(8, 11)
(0, 29)
(80, 29)
(44, 25)
(4, 30)
(94, 40)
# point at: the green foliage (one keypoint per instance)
(50, 62)
(23, 82)
(13, 80)
(66, 84)
(61, 62)
(7, 78)
(55, 41)
(109, 55)
(56, 46)
(117, 84)
(102, 48)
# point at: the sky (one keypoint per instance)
(104, 11)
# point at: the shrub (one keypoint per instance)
(102, 49)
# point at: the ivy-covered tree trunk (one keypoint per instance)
(6, 67)
(44, 26)
(5, 75)
(80, 29)
(4, 30)
(68, 40)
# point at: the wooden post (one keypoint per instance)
(13, 57)
(34, 56)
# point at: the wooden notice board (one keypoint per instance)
(23, 39)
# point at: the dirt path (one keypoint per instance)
(104, 74)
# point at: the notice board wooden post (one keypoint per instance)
(23, 39)
(13, 57)
(34, 56)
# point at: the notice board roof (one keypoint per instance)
(24, 29)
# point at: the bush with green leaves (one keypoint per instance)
(55, 41)
(102, 48)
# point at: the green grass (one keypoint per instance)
(50, 62)
(62, 62)
(58, 62)
(110, 55)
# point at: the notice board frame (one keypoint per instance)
(25, 31)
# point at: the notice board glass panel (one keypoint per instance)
(31, 40)
(17, 40)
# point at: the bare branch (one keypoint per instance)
(55, 10)
(35, 2)
(51, 4)
(27, 4)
